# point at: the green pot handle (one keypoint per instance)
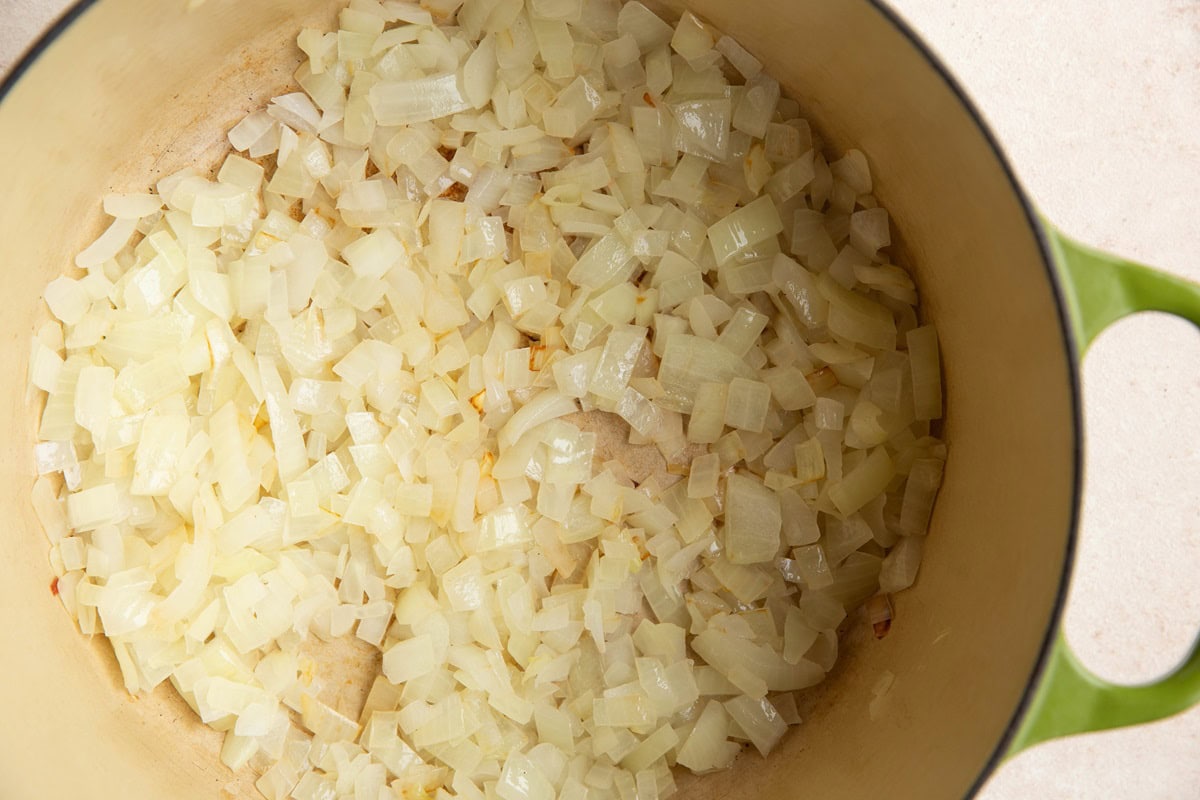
(1099, 290)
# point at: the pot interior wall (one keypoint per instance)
(134, 90)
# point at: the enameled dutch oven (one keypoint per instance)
(123, 91)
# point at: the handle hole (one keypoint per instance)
(1134, 609)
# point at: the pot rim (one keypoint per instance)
(902, 27)
(1073, 353)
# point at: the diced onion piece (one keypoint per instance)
(798, 636)
(924, 478)
(926, 372)
(829, 414)
(409, 659)
(642, 415)
(865, 427)
(285, 428)
(742, 331)
(863, 483)
(90, 508)
(131, 206)
(646, 27)
(813, 566)
(250, 130)
(869, 231)
(420, 100)
(607, 261)
(707, 420)
(690, 361)
(707, 747)
(810, 461)
(296, 111)
(752, 521)
(546, 406)
(691, 39)
(739, 57)
(479, 73)
(843, 537)
(750, 225)
(616, 364)
(652, 748)
(799, 519)
(757, 107)
(853, 170)
(789, 388)
(705, 472)
(746, 405)
(759, 720)
(522, 780)
(374, 254)
(899, 570)
(54, 457)
(156, 460)
(704, 127)
(67, 299)
(107, 245)
(857, 318)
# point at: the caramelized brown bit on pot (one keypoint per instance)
(456, 192)
(476, 400)
(537, 353)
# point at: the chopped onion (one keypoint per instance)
(107, 245)
(759, 720)
(707, 747)
(691, 39)
(750, 225)
(67, 299)
(899, 569)
(746, 405)
(924, 478)
(739, 57)
(752, 521)
(703, 127)
(869, 230)
(707, 419)
(432, 380)
(926, 372)
(646, 27)
(704, 475)
(690, 361)
(757, 106)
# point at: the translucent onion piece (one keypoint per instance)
(421, 100)
(107, 245)
(759, 720)
(926, 372)
(752, 521)
(750, 225)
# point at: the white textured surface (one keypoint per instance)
(1097, 103)
(21, 21)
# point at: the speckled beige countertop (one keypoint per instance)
(1097, 103)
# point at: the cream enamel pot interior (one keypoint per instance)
(125, 91)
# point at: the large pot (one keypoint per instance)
(123, 91)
